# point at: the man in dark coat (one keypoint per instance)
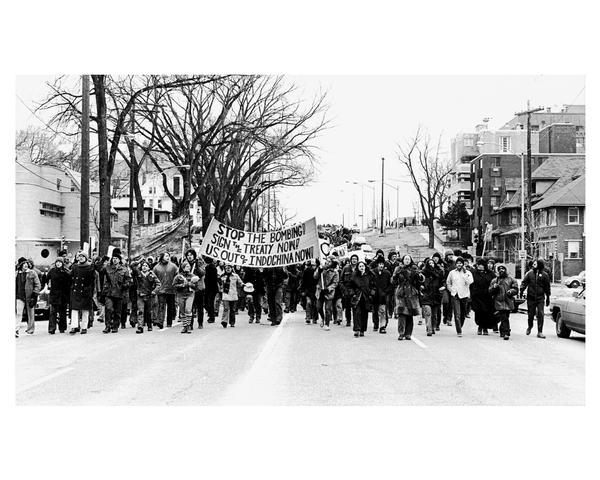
(504, 289)
(431, 295)
(382, 282)
(198, 270)
(274, 278)
(254, 295)
(83, 282)
(291, 289)
(537, 283)
(211, 288)
(58, 280)
(446, 300)
(116, 286)
(345, 284)
(309, 289)
(165, 270)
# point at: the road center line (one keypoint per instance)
(44, 379)
(418, 342)
(241, 392)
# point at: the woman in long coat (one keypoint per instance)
(481, 299)
(82, 291)
(407, 280)
(361, 288)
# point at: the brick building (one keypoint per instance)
(558, 199)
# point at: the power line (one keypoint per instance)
(43, 178)
(36, 116)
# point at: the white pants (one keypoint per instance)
(21, 305)
(74, 321)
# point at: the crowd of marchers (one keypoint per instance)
(151, 294)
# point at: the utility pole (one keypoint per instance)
(84, 225)
(382, 226)
(528, 112)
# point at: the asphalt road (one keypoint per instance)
(299, 364)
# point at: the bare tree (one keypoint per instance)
(428, 173)
(37, 146)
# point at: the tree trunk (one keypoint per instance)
(103, 170)
(206, 216)
(431, 229)
(139, 199)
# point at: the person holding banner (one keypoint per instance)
(274, 279)
(230, 282)
(185, 284)
(254, 289)
(327, 281)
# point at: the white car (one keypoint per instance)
(576, 281)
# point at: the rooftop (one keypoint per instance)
(570, 195)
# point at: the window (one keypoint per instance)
(480, 163)
(480, 182)
(496, 161)
(480, 202)
(514, 217)
(497, 182)
(552, 217)
(159, 201)
(495, 201)
(504, 144)
(176, 181)
(541, 218)
(151, 202)
(51, 210)
(45, 253)
(468, 142)
(573, 216)
(573, 249)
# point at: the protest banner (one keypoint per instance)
(278, 248)
(324, 248)
(153, 239)
(341, 251)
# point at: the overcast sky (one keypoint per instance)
(370, 115)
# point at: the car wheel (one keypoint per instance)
(561, 329)
(574, 284)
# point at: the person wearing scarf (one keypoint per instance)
(230, 282)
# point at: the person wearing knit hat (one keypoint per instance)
(148, 285)
(83, 282)
(28, 287)
(116, 285)
(504, 290)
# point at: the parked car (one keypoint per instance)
(569, 314)
(576, 281)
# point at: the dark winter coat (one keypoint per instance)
(504, 290)
(346, 279)
(83, 282)
(147, 285)
(407, 281)
(117, 281)
(211, 278)
(253, 276)
(309, 283)
(327, 282)
(59, 280)
(537, 283)
(382, 284)
(362, 288)
(293, 278)
(274, 277)
(32, 284)
(433, 281)
(481, 299)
